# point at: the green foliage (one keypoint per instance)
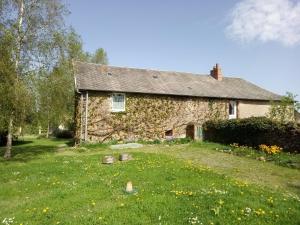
(56, 96)
(284, 159)
(253, 132)
(66, 134)
(15, 97)
(28, 29)
(56, 87)
(214, 110)
(98, 145)
(283, 111)
(75, 188)
(100, 57)
(73, 47)
(3, 139)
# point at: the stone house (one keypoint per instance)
(115, 103)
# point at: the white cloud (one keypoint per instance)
(266, 20)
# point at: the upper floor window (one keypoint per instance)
(118, 102)
(232, 110)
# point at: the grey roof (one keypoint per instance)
(89, 76)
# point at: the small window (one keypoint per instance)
(169, 133)
(232, 110)
(118, 102)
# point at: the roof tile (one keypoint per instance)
(97, 77)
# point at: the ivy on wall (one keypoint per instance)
(147, 117)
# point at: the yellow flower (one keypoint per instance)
(273, 149)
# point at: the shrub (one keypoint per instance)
(253, 132)
(63, 134)
(3, 138)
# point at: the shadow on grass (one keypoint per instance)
(24, 151)
(17, 143)
(68, 142)
(27, 153)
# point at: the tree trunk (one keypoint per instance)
(19, 38)
(40, 130)
(7, 154)
(48, 130)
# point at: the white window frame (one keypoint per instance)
(234, 115)
(120, 109)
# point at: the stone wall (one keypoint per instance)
(147, 117)
(253, 108)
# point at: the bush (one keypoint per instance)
(253, 132)
(3, 138)
(63, 134)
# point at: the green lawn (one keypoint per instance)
(177, 184)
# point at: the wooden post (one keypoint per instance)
(129, 187)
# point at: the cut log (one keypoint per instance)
(125, 157)
(108, 159)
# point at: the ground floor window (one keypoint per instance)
(118, 102)
(232, 110)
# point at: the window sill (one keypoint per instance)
(118, 112)
(232, 117)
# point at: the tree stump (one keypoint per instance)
(108, 159)
(125, 157)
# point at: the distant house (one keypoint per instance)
(115, 103)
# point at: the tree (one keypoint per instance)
(56, 87)
(284, 110)
(56, 98)
(100, 57)
(15, 97)
(31, 26)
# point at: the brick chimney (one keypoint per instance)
(216, 72)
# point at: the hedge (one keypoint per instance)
(63, 134)
(253, 132)
(3, 138)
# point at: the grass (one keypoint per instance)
(286, 159)
(49, 184)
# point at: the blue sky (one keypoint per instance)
(262, 46)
